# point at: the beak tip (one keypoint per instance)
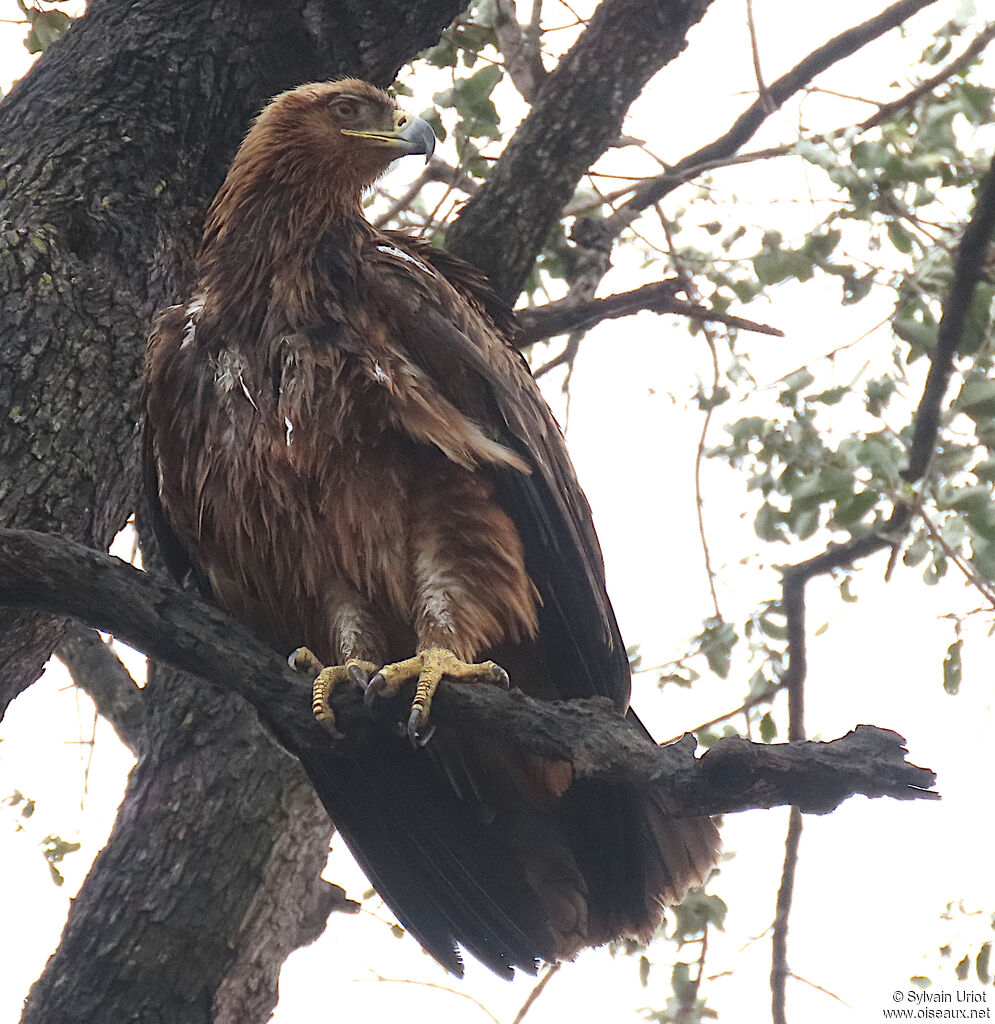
(419, 136)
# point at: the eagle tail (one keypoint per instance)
(463, 860)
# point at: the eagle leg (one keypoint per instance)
(326, 678)
(429, 667)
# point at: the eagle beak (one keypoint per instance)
(410, 135)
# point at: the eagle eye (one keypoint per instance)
(345, 108)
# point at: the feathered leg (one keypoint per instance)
(358, 644)
(471, 589)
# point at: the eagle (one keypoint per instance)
(346, 451)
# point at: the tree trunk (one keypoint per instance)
(112, 147)
(210, 878)
(110, 151)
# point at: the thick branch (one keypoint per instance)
(96, 669)
(56, 575)
(565, 315)
(577, 115)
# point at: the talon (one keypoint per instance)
(429, 667)
(304, 660)
(354, 672)
(415, 723)
(377, 687)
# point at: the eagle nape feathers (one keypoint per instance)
(345, 450)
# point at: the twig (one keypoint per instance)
(537, 991)
(699, 455)
(762, 91)
(435, 170)
(568, 315)
(779, 960)
(819, 988)
(767, 694)
(432, 984)
(972, 577)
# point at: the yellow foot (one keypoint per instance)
(354, 672)
(429, 667)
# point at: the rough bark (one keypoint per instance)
(577, 115)
(110, 150)
(209, 880)
(155, 616)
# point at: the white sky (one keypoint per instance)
(874, 877)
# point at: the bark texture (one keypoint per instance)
(577, 114)
(110, 150)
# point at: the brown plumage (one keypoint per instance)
(346, 452)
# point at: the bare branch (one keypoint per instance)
(747, 124)
(53, 574)
(435, 170)
(576, 116)
(537, 991)
(885, 112)
(779, 957)
(520, 46)
(566, 315)
(968, 270)
(762, 90)
(96, 669)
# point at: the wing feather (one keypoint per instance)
(441, 316)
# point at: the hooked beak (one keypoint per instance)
(410, 135)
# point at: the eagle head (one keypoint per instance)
(347, 130)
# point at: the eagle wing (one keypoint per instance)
(446, 320)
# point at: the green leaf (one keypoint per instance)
(798, 381)
(769, 523)
(768, 728)
(981, 963)
(899, 237)
(851, 510)
(915, 332)
(716, 642)
(951, 668)
(46, 27)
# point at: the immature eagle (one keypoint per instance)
(346, 452)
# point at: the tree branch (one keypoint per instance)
(520, 46)
(565, 315)
(56, 575)
(577, 115)
(746, 125)
(779, 945)
(96, 669)
(968, 270)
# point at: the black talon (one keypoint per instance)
(357, 677)
(372, 690)
(418, 739)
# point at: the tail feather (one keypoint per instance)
(463, 858)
